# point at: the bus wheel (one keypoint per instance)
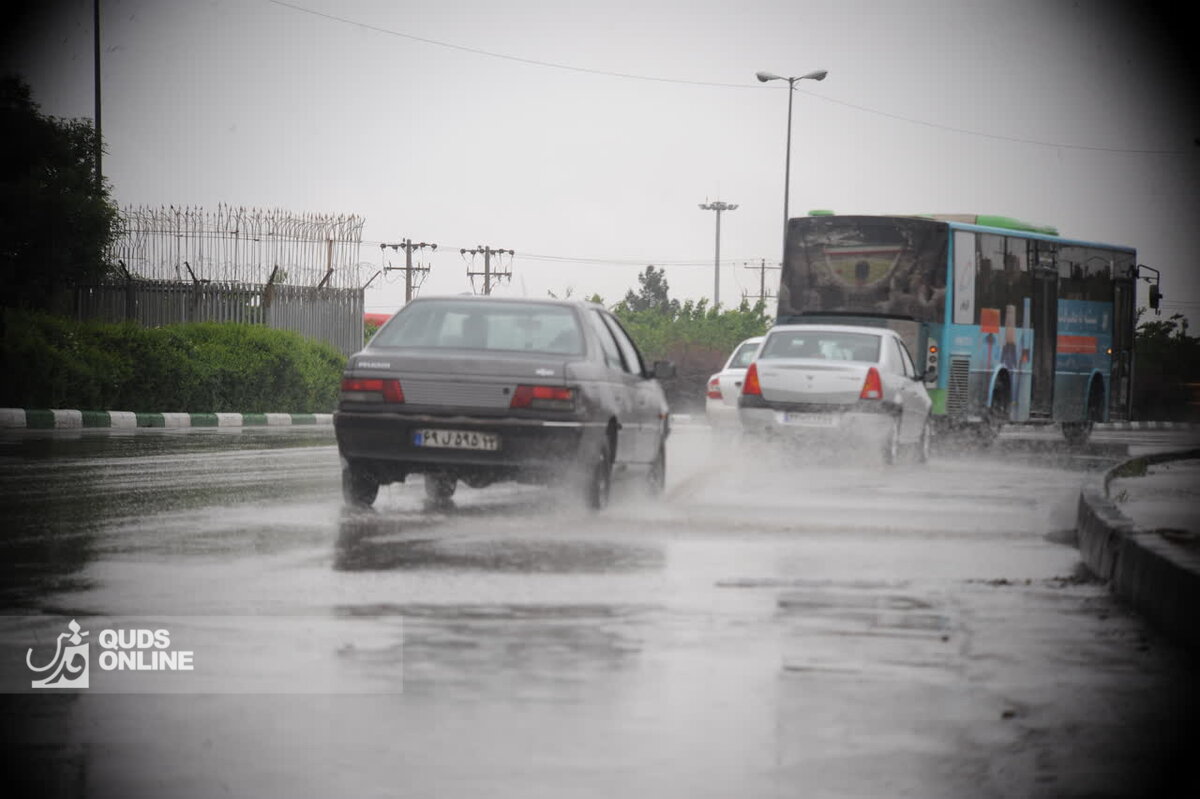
(925, 444)
(995, 415)
(1078, 433)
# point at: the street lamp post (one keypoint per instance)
(717, 206)
(818, 74)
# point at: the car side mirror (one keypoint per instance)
(663, 370)
(928, 376)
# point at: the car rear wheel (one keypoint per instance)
(439, 487)
(598, 481)
(891, 445)
(359, 487)
(657, 479)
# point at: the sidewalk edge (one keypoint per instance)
(1160, 580)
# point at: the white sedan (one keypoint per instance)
(721, 402)
(840, 385)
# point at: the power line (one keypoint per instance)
(717, 84)
(519, 59)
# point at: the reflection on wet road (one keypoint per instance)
(776, 626)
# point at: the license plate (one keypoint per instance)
(808, 419)
(456, 439)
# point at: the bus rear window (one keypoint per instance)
(861, 265)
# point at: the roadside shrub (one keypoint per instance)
(52, 362)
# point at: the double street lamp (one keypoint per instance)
(787, 167)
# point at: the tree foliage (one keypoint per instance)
(1166, 370)
(652, 294)
(695, 337)
(55, 223)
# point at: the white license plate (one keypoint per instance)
(456, 439)
(808, 419)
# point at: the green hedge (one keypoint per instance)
(208, 367)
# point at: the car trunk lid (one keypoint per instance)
(462, 379)
(811, 381)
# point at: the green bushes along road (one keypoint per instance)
(54, 362)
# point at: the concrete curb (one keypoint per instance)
(1159, 579)
(23, 419)
(1146, 426)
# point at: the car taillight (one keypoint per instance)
(714, 389)
(872, 387)
(549, 398)
(371, 389)
(750, 386)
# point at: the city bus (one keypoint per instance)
(1011, 322)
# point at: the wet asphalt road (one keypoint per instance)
(773, 627)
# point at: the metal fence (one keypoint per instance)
(286, 271)
(334, 316)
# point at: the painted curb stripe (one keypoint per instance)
(12, 417)
(125, 420)
(59, 419)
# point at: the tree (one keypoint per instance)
(1166, 370)
(652, 296)
(55, 223)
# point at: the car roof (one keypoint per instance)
(877, 331)
(566, 303)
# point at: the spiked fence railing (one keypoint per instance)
(290, 271)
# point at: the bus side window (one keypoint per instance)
(964, 278)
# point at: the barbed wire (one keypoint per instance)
(240, 245)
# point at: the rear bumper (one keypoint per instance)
(854, 423)
(721, 414)
(529, 449)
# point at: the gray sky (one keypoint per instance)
(584, 135)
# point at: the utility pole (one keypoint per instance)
(487, 273)
(99, 146)
(762, 279)
(717, 206)
(408, 247)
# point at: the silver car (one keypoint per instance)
(837, 385)
(721, 395)
(483, 389)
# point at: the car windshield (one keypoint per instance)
(482, 325)
(834, 345)
(744, 355)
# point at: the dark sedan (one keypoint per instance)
(483, 389)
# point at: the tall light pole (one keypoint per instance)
(818, 74)
(717, 206)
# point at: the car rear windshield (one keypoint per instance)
(744, 355)
(482, 325)
(834, 345)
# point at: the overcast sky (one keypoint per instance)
(584, 135)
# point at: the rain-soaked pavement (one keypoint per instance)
(771, 628)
